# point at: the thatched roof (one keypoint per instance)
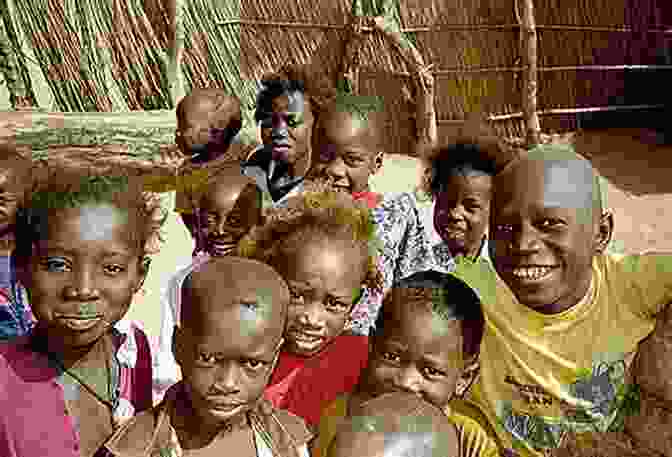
(591, 54)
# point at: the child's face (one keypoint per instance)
(545, 233)
(82, 277)
(343, 153)
(462, 212)
(418, 352)
(227, 361)
(286, 130)
(228, 213)
(324, 279)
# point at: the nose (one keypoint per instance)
(311, 315)
(226, 377)
(455, 213)
(525, 239)
(336, 169)
(409, 380)
(279, 125)
(83, 286)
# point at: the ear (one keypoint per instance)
(178, 346)
(378, 162)
(605, 232)
(145, 262)
(469, 375)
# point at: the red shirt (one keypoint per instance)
(305, 386)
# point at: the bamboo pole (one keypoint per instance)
(528, 42)
(175, 49)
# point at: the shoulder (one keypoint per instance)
(135, 436)
(285, 427)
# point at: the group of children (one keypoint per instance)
(286, 342)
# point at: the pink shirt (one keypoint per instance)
(34, 419)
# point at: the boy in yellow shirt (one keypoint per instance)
(563, 317)
(425, 342)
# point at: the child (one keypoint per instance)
(16, 319)
(420, 233)
(227, 345)
(228, 209)
(426, 342)
(347, 142)
(396, 425)
(321, 245)
(81, 246)
(565, 319)
(208, 120)
(284, 112)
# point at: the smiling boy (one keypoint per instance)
(564, 318)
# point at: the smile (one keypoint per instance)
(537, 273)
(79, 324)
(306, 338)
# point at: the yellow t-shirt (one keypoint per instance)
(542, 375)
(188, 187)
(473, 441)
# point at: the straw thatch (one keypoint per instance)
(130, 55)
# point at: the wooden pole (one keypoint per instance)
(528, 42)
(175, 10)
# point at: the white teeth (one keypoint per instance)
(531, 272)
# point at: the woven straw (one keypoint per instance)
(132, 54)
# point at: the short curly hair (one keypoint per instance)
(290, 78)
(475, 147)
(446, 295)
(56, 190)
(318, 210)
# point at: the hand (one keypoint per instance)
(170, 157)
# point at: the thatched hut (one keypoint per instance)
(527, 64)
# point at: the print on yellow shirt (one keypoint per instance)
(604, 399)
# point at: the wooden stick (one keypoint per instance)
(528, 37)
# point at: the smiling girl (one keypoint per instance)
(321, 245)
(81, 245)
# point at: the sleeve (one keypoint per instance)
(649, 277)
(166, 371)
(329, 421)
(405, 248)
(160, 184)
(474, 441)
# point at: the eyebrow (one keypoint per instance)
(72, 253)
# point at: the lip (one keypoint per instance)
(221, 249)
(226, 407)
(79, 323)
(529, 281)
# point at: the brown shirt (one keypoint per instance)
(151, 433)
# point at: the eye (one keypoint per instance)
(114, 269)
(56, 265)
(295, 296)
(253, 364)
(207, 359)
(337, 306)
(433, 372)
(354, 161)
(390, 357)
(552, 223)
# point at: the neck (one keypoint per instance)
(67, 355)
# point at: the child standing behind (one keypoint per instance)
(227, 345)
(321, 244)
(426, 342)
(81, 245)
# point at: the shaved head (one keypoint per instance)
(569, 180)
(242, 286)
